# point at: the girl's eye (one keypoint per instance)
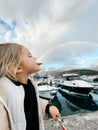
(30, 55)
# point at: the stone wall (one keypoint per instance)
(84, 121)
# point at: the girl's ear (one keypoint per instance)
(19, 69)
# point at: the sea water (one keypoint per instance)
(70, 104)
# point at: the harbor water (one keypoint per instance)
(70, 104)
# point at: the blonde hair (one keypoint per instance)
(10, 56)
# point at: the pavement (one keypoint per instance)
(84, 121)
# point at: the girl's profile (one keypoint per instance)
(16, 66)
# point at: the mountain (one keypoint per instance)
(94, 68)
(57, 73)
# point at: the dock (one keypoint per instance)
(84, 121)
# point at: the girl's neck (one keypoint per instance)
(23, 79)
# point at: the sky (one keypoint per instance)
(60, 33)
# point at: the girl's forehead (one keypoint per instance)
(25, 50)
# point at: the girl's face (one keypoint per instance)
(28, 62)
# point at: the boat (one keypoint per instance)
(93, 80)
(73, 84)
(46, 91)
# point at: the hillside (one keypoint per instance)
(57, 73)
(94, 68)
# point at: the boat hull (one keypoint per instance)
(75, 90)
(49, 95)
(47, 92)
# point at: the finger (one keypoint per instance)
(59, 116)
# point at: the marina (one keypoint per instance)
(75, 95)
(79, 109)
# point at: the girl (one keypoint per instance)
(16, 65)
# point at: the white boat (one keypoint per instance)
(46, 91)
(74, 85)
(93, 80)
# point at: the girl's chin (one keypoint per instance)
(38, 68)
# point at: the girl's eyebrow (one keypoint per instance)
(29, 53)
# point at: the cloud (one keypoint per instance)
(42, 26)
(72, 54)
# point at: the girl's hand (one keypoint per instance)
(54, 112)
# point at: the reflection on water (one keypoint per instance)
(57, 102)
(69, 104)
